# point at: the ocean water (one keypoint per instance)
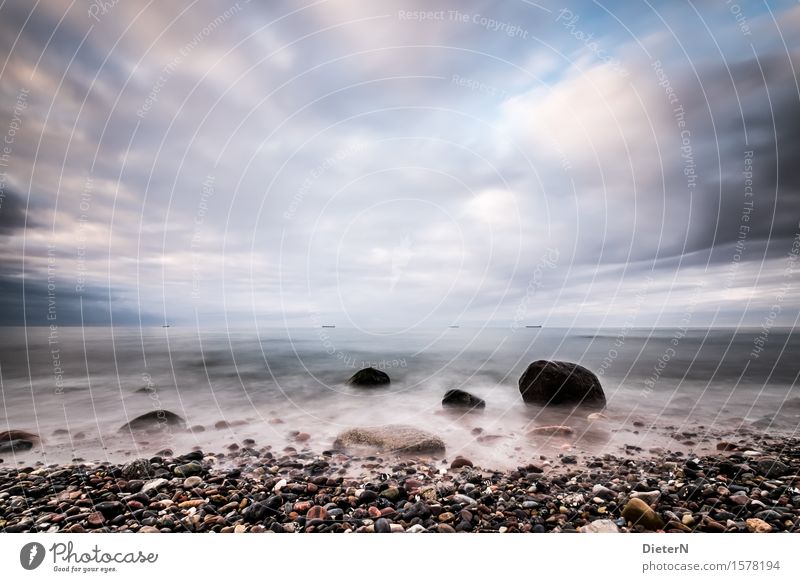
(679, 389)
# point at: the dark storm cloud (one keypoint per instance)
(12, 212)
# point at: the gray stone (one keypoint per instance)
(137, 469)
(397, 439)
(600, 526)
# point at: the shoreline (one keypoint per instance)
(741, 487)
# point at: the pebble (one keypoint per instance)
(600, 526)
(757, 525)
(460, 462)
(192, 482)
(268, 490)
(638, 512)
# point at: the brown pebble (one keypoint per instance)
(638, 512)
(555, 430)
(726, 446)
(317, 512)
(459, 462)
(757, 525)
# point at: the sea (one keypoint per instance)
(667, 389)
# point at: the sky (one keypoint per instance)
(399, 164)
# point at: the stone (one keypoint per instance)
(369, 377)
(9, 436)
(554, 383)
(367, 496)
(603, 492)
(771, 468)
(109, 509)
(739, 499)
(154, 484)
(95, 519)
(398, 439)
(600, 526)
(555, 430)
(137, 469)
(460, 399)
(192, 482)
(391, 493)
(188, 469)
(382, 525)
(726, 446)
(649, 497)
(638, 512)
(317, 512)
(15, 446)
(154, 420)
(259, 511)
(149, 529)
(460, 462)
(757, 525)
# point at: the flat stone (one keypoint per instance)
(192, 482)
(600, 526)
(399, 439)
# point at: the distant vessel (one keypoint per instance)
(328, 326)
(166, 325)
(534, 326)
(454, 326)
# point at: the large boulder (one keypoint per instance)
(397, 439)
(555, 383)
(369, 377)
(154, 420)
(17, 441)
(460, 399)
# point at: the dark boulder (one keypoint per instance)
(17, 441)
(560, 383)
(369, 377)
(155, 419)
(459, 399)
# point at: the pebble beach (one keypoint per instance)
(744, 486)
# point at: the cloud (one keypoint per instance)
(384, 170)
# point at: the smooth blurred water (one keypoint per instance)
(703, 381)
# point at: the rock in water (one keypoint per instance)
(556, 430)
(17, 441)
(560, 383)
(600, 526)
(155, 419)
(369, 377)
(15, 446)
(638, 512)
(459, 399)
(398, 439)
